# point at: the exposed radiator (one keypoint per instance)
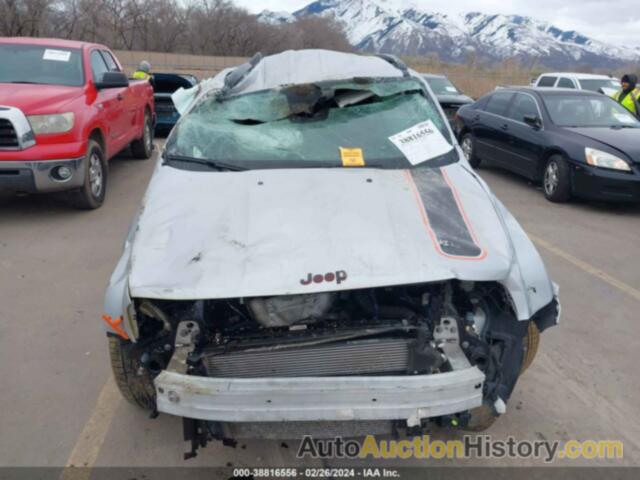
(377, 356)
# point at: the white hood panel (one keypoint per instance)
(261, 232)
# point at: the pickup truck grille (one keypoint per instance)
(8, 136)
(363, 357)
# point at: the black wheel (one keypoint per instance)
(531, 342)
(556, 179)
(143, 147)
(91, 194)
(468, 145)
(135, 384)
(481, 419)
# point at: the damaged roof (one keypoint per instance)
(293, 67)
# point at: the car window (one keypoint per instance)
(596, 84)
(522, 106)
(309, 125)
(498, 103)
(481, 102)
(566, 83)
(547, 81)
(98, 67)
(41, 65)
(588, 111)
(442, 86)
(111, 63)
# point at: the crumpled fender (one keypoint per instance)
(528, 283)
(117, 297)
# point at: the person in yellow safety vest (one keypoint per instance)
(143, 71)
(629, 96)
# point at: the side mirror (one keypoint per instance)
(112, 80)
(532, 121)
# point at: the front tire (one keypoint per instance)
(91, 195)
(531, 342)
(556, 179)
(143, 147)
(135, 383)
(482, 418)
(468, 145)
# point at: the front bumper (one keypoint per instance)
(39, 176)
(608, 185)
(410, 398)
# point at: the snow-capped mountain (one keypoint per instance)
(276, 18)
(390, 26)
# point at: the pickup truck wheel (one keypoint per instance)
(134, 383)
(143, 147)
(468, 145)
(556, 180)
(91, 194)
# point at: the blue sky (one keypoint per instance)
(616, 21)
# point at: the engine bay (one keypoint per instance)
(412, 331)
(380, 331)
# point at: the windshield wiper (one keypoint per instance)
(617, 127)
(220, 166)
(25, 81)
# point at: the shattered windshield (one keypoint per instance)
(328, 124)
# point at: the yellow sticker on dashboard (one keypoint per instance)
(352, 157)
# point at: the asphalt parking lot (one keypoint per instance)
(59, 406)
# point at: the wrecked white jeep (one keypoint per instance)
(314, 250)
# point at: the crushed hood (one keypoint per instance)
(274, 232)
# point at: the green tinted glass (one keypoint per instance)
(307, 124)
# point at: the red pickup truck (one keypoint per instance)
(66, 108)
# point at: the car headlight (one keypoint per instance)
(598, 158)
(58, 123)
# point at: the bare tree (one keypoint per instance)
(203, 27)
(23, 17)
(321, 32)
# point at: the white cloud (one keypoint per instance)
(615, 21)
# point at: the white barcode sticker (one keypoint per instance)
(421, 142)
(56, 55)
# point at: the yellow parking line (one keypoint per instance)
(590, 269)
(87, 447)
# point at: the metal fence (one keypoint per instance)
(200, 66)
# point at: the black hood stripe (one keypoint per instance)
(444, 215)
